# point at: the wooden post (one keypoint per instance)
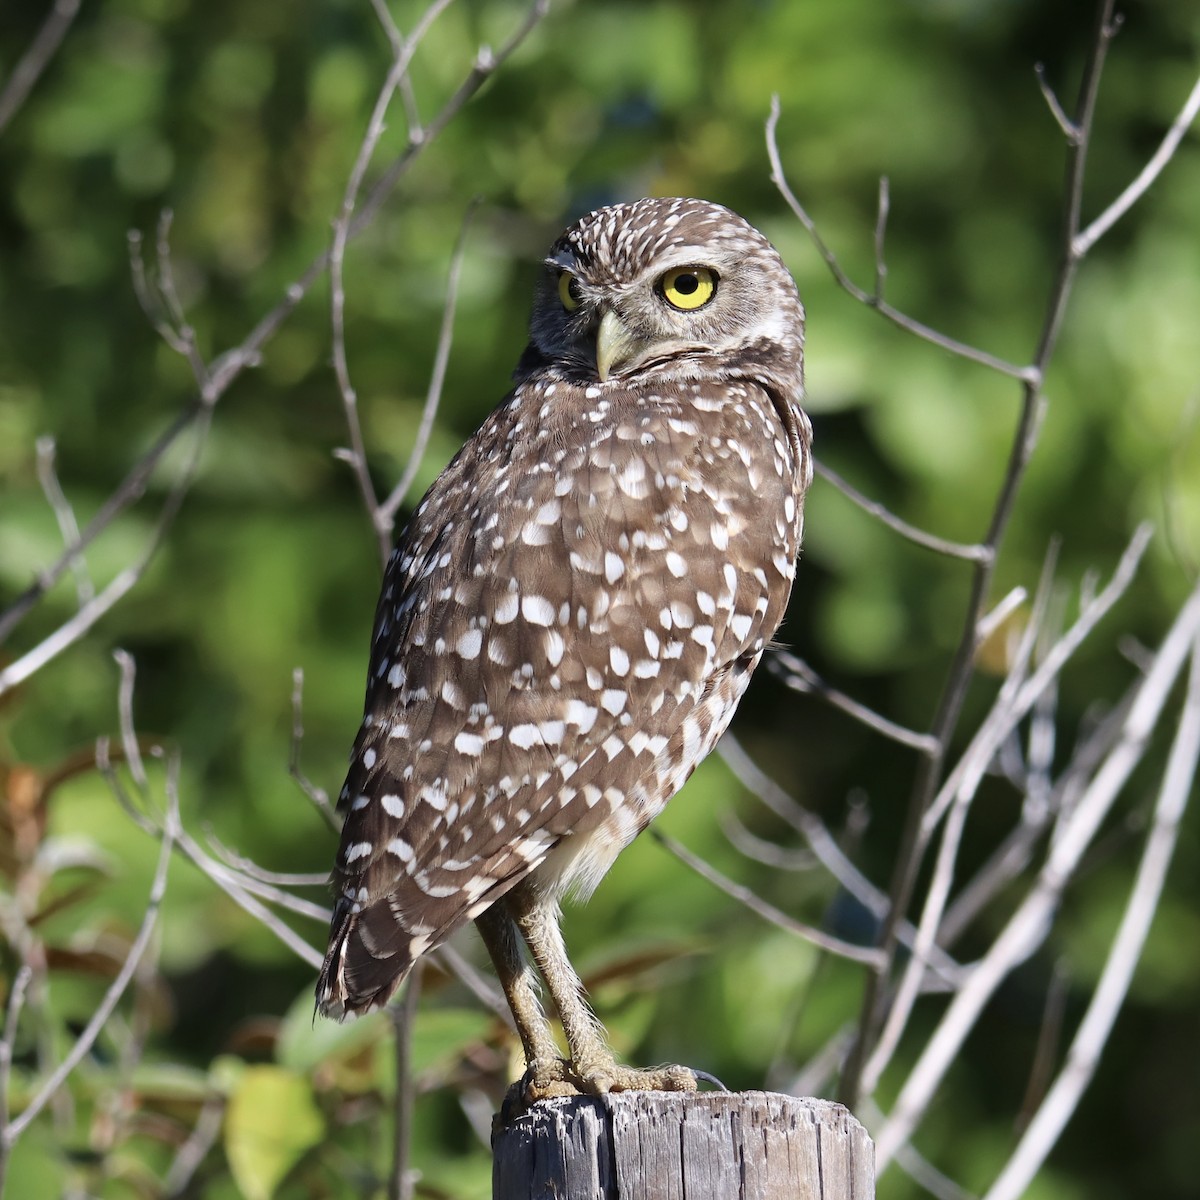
(674, 1146)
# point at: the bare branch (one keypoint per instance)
(929, 540)
(253, 884)
(902, 320)
(915, 833)
(129, 740)
(356, 456)
(193, 1151)
(1029, 925)
(84, 1042)
(1005, 714)
(881, 218)
(1069, 128)
(71, 630)
(64, 514)
(225, 369)
(800, 677)
(396, 41)
(760, 850)
(319, 796)
(823, 844)
(386, 516)
(760, 907)
(938, 891)
(35, 59)
(917, 1167)
(1046, 1051)
(12, 1018)
(248, 867)
(400, 1182)
(130, 489)
(1084, 1055)
(241, 891)
(484, 991)
(990, 622)
(1145, 177)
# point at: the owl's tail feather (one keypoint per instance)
(369, 957)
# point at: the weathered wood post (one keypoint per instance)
(672, 1146)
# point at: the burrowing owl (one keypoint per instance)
(571, 616)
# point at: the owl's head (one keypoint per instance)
(677, 287)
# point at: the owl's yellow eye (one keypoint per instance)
(569, 291)
(688, 288)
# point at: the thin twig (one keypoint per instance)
(64, 514)
(1145, 177)
(992, 620)
(319, 796)
(386, 515)
(129, 738)
(915, 831)
(919, 536)
(823, 845)
(814, 1075)
(1093, 1034)
(902, 320)
(1069, 128)
(761, 850)
(881, 219)
(184, 339)
(131, 488)
(1029, 925)
(356, 456)
(938, 892)
(84, 1042)
(760, 907)
(193, 1151)
(240, 892)
(916, 1166)
(35, 59)
(1003, 717)
(12, 1018)
(404, 1015)
(81, 621)
(1046, 1052)
(800, 677)
(251, 869)
(255, 886)
(227, 367)
(484, 991)
(396, 41)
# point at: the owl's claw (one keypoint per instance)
(555, 1077)
(600, 1078)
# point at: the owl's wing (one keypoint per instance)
(558, 629)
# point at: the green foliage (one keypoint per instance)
(271, 1121)
(244, 119)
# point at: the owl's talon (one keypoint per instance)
(598, 1079)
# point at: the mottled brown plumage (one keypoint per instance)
(573, 613)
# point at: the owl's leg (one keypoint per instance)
(592, 1066)
(544, 1063)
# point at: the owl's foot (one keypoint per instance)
(559, 1077)
(550, 1078)
(606, 1075)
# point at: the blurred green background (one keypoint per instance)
(245, 119)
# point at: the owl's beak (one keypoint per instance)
(615, 345)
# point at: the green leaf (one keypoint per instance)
(271, 1121)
